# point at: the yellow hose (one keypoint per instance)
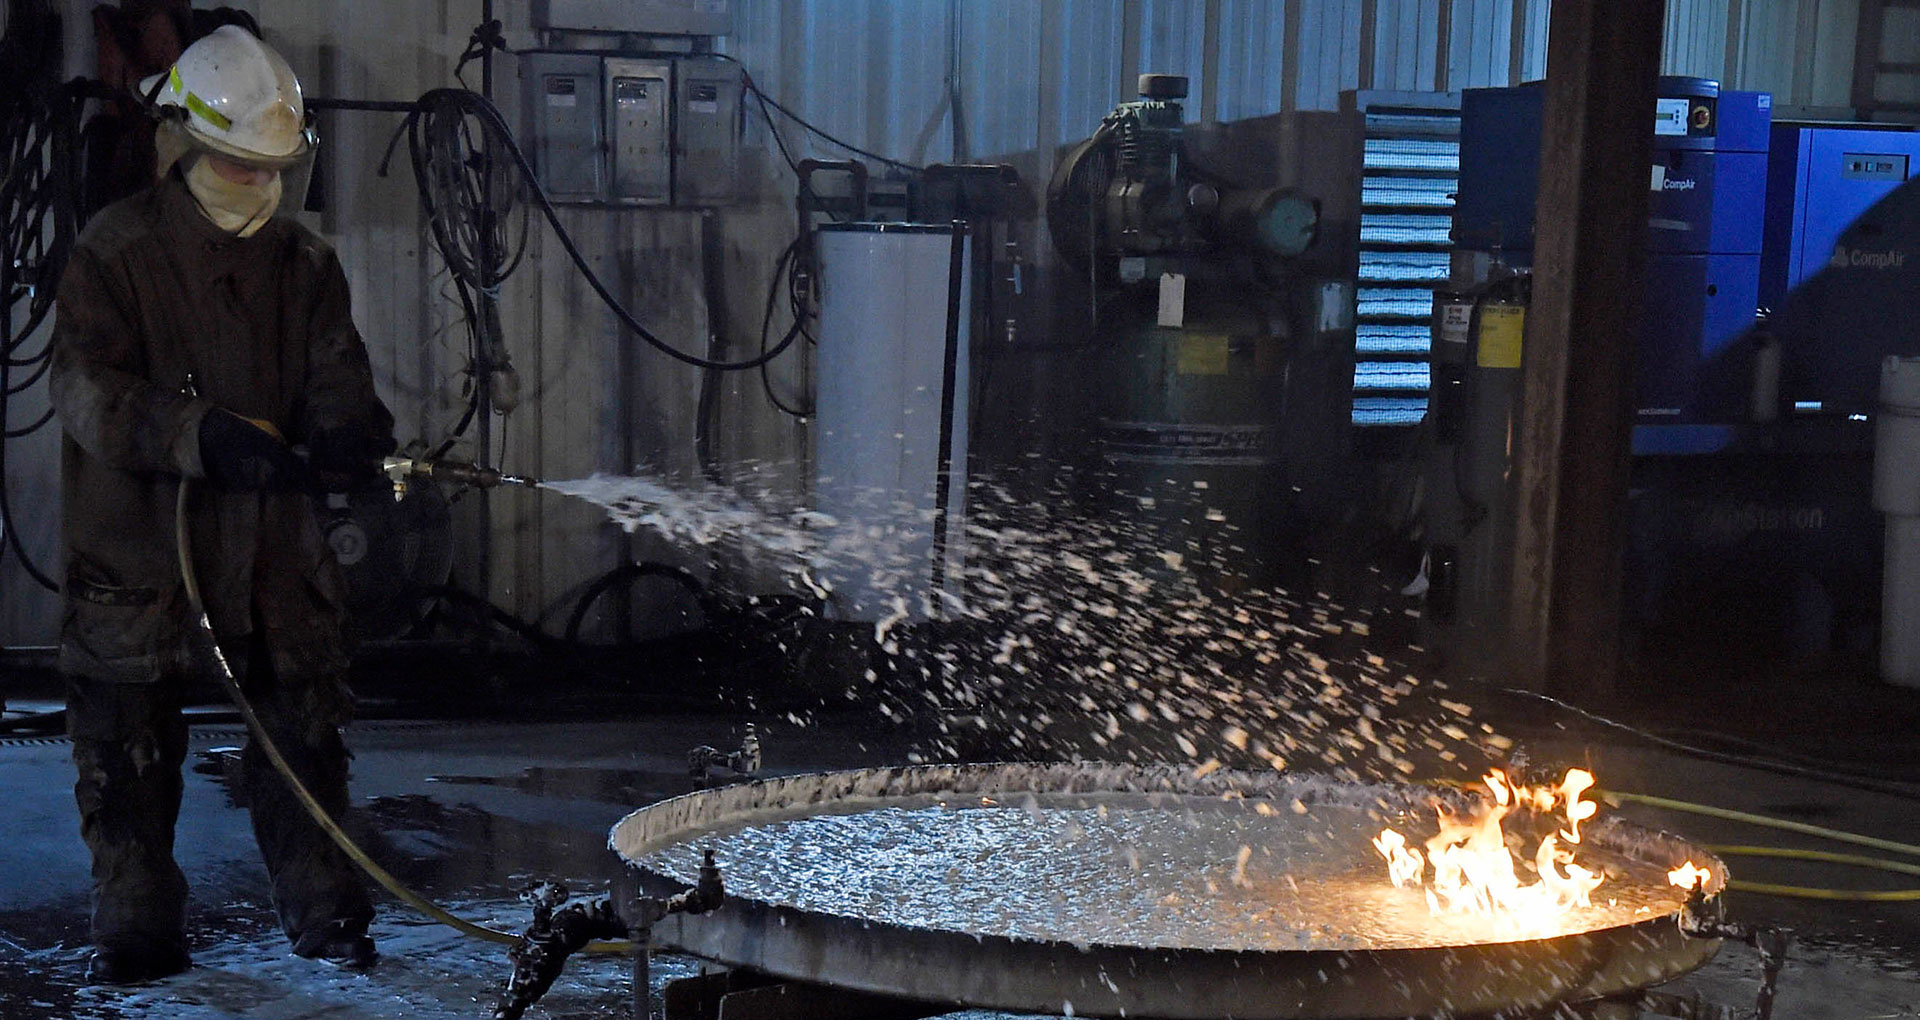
(1823, 856)
(1617, 797)
(379, 874)
(1801, 892)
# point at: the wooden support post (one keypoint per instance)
(1572, 450)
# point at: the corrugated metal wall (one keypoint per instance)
(1031, 75)
(1039, 73)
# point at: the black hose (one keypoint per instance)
(7, 519)
(36, 314)
(39, 370)
(37, 222)
(627, 573)
(27, 430)
(532, 634)
(761, 95)
(439, 103)
(445, 156)
(783, 272)
(454, 191)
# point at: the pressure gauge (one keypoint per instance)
(1289, 223)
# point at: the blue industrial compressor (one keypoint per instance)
(1708, 178)
(1751, 530)
(1837, 273)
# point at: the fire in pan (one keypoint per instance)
(1109, 890)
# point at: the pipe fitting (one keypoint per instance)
(1702, 918)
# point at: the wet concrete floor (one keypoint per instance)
(470, 812)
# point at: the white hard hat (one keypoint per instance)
(236, 97)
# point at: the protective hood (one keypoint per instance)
(172, 144)
(240, 209)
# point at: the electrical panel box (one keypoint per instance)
(639, 96)
(635, 17)
(707, 128)
(622, 129)
(560, 93)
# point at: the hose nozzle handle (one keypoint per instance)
(401, 469)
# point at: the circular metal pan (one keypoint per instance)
(1029, 975)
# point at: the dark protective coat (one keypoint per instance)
(153, 296)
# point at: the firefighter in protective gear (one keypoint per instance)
(198, 337)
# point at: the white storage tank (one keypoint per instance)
(890, 428)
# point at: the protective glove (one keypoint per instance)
(242, 455)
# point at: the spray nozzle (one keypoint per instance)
(401, 470)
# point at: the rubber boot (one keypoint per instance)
(318, 891)
(129, 741)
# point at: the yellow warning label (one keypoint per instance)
(1502, 330)
(1202, 354)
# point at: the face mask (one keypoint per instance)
(170, 146)
(238, 209)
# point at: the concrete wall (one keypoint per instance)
(1030, 77)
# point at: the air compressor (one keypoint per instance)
(1190, 288)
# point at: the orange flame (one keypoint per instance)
(1686, 876)
(1403, 865)
(1473, 872)
(1578, 781)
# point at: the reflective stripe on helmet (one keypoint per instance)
(198, 106)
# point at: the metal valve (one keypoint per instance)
(1701, 918)
(704, 762)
